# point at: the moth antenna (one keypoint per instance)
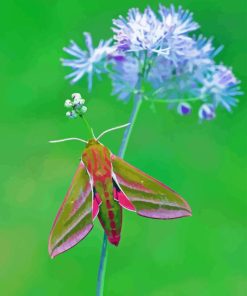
(112, 129)
(68, 139)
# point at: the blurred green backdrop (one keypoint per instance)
(206, 163)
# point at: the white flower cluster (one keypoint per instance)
(76, 106)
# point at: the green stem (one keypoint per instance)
(102, 267)
(121, 152)
(90, 130)
(174, 100)
(128, 130)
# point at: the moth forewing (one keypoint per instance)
(74, 218)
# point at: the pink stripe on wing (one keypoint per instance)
(80, 201)
(71, 241)
(164, 214)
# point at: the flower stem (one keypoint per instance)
(89, 129)
(121, 152)
(102, 267)
(175, 100)
(128, 130)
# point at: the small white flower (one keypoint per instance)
(68, 104)
(76, 96)
(71, 114)
(78, 102)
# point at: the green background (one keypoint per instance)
(206, 163)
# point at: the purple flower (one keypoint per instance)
(207, 112)
(163, 34)
(172, 82)
(177, 26)
(155, 55)
(139, 31)
(178, 22)
(92, 61)
(124, 77)
(220, 86)
(201, 56)
(196, 76)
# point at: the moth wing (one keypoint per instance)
(149, 197)
(74, 218)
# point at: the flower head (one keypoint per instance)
(220, 87)
(155, 56)
(90, 61)
(76, 106)
(139, 31)
(163, 34)
(78, 101)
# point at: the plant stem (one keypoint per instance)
(121, 152)
(128, 130)
(102, 267)
(90, 130)
(175, 100)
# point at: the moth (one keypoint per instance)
(102, 186)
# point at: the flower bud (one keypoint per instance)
(78, 102)
(76, 96)
(68, 104)
(71, 114)
(83, 109)
(207, 112)
(184, 109)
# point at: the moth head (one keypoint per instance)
(92, 142)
